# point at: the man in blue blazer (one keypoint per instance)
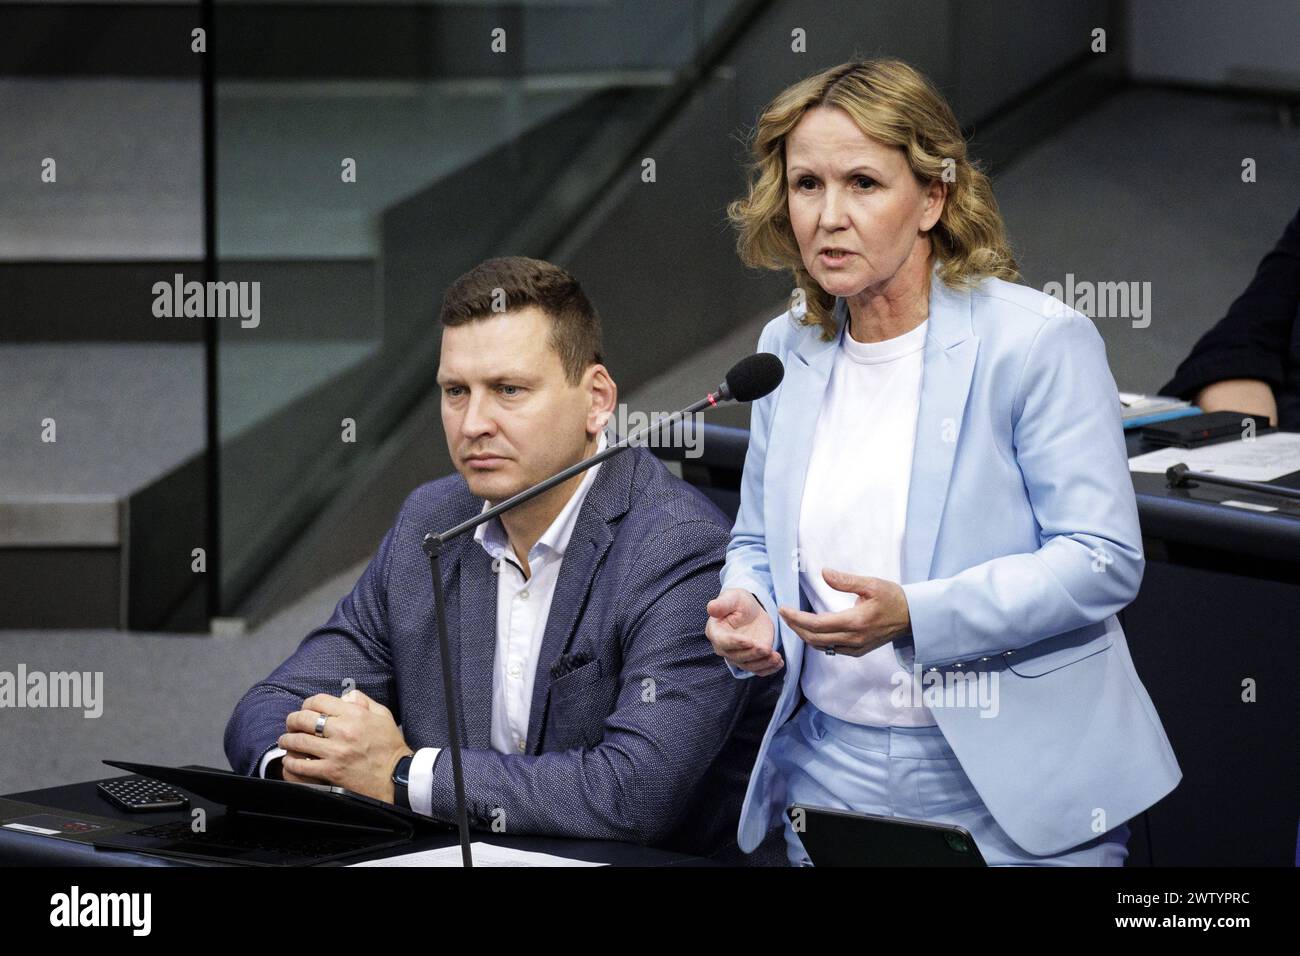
(1021, 544)
(591, 704)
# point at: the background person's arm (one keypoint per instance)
(1252, 342)
(1070, 448)
(634, 784)
(1239, 395)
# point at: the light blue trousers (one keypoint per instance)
(903, 772)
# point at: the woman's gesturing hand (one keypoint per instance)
(742, 633)
(880, 614)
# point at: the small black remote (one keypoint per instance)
(142, 795)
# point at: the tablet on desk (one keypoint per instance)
(269, 822)
(1208, 428)
(846, 838)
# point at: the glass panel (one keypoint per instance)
(363, 162)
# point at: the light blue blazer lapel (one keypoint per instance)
(807, 373)
(948, 365)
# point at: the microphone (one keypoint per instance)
(749, 379)
(1180, 476)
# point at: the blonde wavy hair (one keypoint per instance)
(897, 105)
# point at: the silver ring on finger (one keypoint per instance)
(320, 725)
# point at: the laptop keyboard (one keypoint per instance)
(247, 836)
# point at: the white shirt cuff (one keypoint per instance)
(420, 789)
(270, 755)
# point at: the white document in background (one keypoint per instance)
(1267, 457)
(485, 854)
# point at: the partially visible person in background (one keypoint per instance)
(1250, 361)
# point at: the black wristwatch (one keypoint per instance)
(402, 782)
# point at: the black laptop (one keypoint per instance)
(269, 822)
(845, 838)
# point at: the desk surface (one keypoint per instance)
(29, 849)
(1197, 516)
(1194, 517)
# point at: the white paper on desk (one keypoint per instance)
(1267, 457)
(485, 854)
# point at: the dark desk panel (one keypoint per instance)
(29, 849)
(1219, 605)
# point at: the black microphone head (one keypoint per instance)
(754, 376)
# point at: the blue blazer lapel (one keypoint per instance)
(795, 421)
(948, 366)
(608, 499)
(477, 644)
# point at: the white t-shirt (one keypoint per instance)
(853, 513)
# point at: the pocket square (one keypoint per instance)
(569, 662)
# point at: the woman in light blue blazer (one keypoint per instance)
(937, 524)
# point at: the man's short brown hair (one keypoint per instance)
(513, 282)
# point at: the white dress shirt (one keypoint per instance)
(853, 513)
(523, 605)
